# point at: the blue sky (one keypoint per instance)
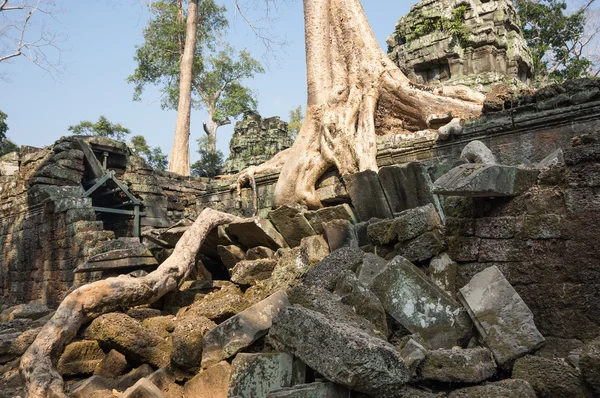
(98, 53)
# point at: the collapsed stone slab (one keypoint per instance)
(407, 225)
(256, 232)
(510, 388)
(291, 224)
(368, 197)
(502, 318)
(326, 272)
(339, 352)
(249, 272)
(93, 387)
(119, 261)
(479, 180)
(458, 366)
(419, 305)
(255, 375)
(80, 357)
(240, 331)
(317, 218)
(340, 233)
(144, 388)
(312, 390)
(211, 382)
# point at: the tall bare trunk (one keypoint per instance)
(211, 127)
(349, 77)
(180, 154)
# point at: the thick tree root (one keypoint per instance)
(112, 294)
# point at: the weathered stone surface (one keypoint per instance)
(340, 233)
(112, 365)
(144, 388)
(326, 272)
(292, 224)
(477, 180)
(589, 363)
(407, 187)
(419, 305)
(477, 152)
(259, 252)
(218, 305)
(407, 225)
(133, 376)
(471, 365)
(256, 140)
(556, 158)
(35, 310)
(255, 375)
(413, 354)
(339, 352)
(363, 301)
(367, 195)
(80, 357)
(492, 49)
(120, 259)
(165, 380)
(371, 265)
(126, 335)
(248, 272)
(442, 272)
(551, 378)
(317, 218)
(242, 330)
(511, 388)
(257, 232)
(230, 255)
(211, 382)
(324, 302)
(187, 341)
(312, 390)
(502, 318)
(422, 247)
(93, 387)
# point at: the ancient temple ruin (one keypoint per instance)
(475, 43)
(256, 140)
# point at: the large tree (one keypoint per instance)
(351, 84)
(103, 128)
(559, 38)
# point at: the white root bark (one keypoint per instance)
(92, 300)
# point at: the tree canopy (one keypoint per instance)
(154, 156)
(6, 145)
(103, 127)
(211, 160)
(557, 38)
(295, 123)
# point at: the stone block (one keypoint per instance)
(368, 197)
(589, 363)
(134, 376)
(93, 387)
(371, 265)
(408, 186)
(443, 272)
(80, 358)
(187, 341)
(556, 158)
(249, 272)
(496, 227)
(422, 247)
(144, 388)
(551, 378)
(218, 305)
(230, 255)
(510, 388)
(259, 252)
(240, 331)
(256, 232)
(291, 224)
(341, 353)
(317, 218)
(119, 260)
(413, 354)
(477, 152)
(502, 318)
(112, 365)
(419, 305)
(211, 382)
(407, 225)
(165, 380)
(471, 365)
(312, 390)
(326, 272)
(340, 233)
(255, 375)
(485, 181)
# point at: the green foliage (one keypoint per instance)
(103, 128)
(454, 26)
(295, 123)
(211, 161)
(555, 38)
(153, 156)
(6, 145)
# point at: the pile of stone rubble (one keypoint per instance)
(318, 305)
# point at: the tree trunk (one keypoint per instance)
(349, 77)
(180, 154)
(210, 129)
(112, 294)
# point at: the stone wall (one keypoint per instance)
(256, 140)
(47, 228)
(483, 46)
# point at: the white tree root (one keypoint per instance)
(92, 300)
